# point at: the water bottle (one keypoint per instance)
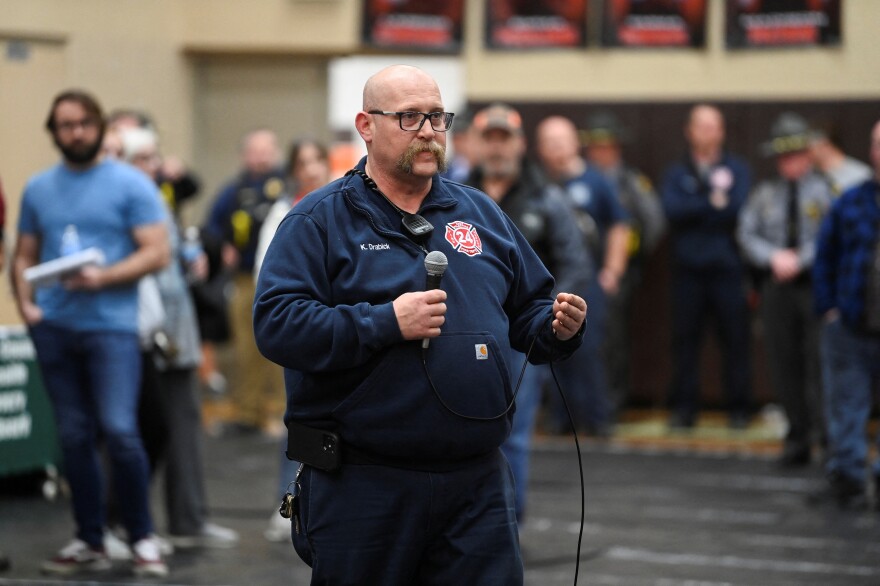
(70, 241)
(190, 248)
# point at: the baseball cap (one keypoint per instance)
(498, 117)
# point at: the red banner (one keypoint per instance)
(414, 24)
(524, 24)
(654, 23)
(780, 23)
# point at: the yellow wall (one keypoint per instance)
(141, 53)
(271, 25)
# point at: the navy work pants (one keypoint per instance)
(697, 296)
(365, 524)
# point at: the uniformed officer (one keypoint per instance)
(603, 138)
(605, 228)
(777, 232)
(236, 218)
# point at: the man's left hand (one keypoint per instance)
(569, 312)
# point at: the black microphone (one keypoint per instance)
(435, 265)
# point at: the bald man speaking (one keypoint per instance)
(402, 480)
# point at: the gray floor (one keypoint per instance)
(654, 516)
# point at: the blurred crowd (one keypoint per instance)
(780, 251)
(796, 251)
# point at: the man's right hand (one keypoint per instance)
(785, 265)
(31, 313)
(420, 314)
(229, 256)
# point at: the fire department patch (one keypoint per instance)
(464, 238)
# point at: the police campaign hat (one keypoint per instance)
(790, 133)
(603, 127)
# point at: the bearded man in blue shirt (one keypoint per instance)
(85, 327)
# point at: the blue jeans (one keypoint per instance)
(396, 527)
(516, 447)
(850, 361)
(93, 381)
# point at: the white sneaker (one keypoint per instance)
(76, 557)
(148, 561)
(114, 546)
(117, 548)
(166, 548)
(278, 529)
(211, 535)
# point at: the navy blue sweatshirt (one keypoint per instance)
(702, 236)
(323, 310)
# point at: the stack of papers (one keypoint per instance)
(49, 273)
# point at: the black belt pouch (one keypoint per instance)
(314, 447)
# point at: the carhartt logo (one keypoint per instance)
(379, 246)
(482, 351)
(464, 238)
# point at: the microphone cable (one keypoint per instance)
(506, 410)
(577, 445)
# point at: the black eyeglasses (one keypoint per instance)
(70, 126)
(413, 121)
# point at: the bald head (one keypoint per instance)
(393, 154)
(557, 128)
(705, 131)
(259, 152)
(558, 146)
(703, 112)
(392, 82)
